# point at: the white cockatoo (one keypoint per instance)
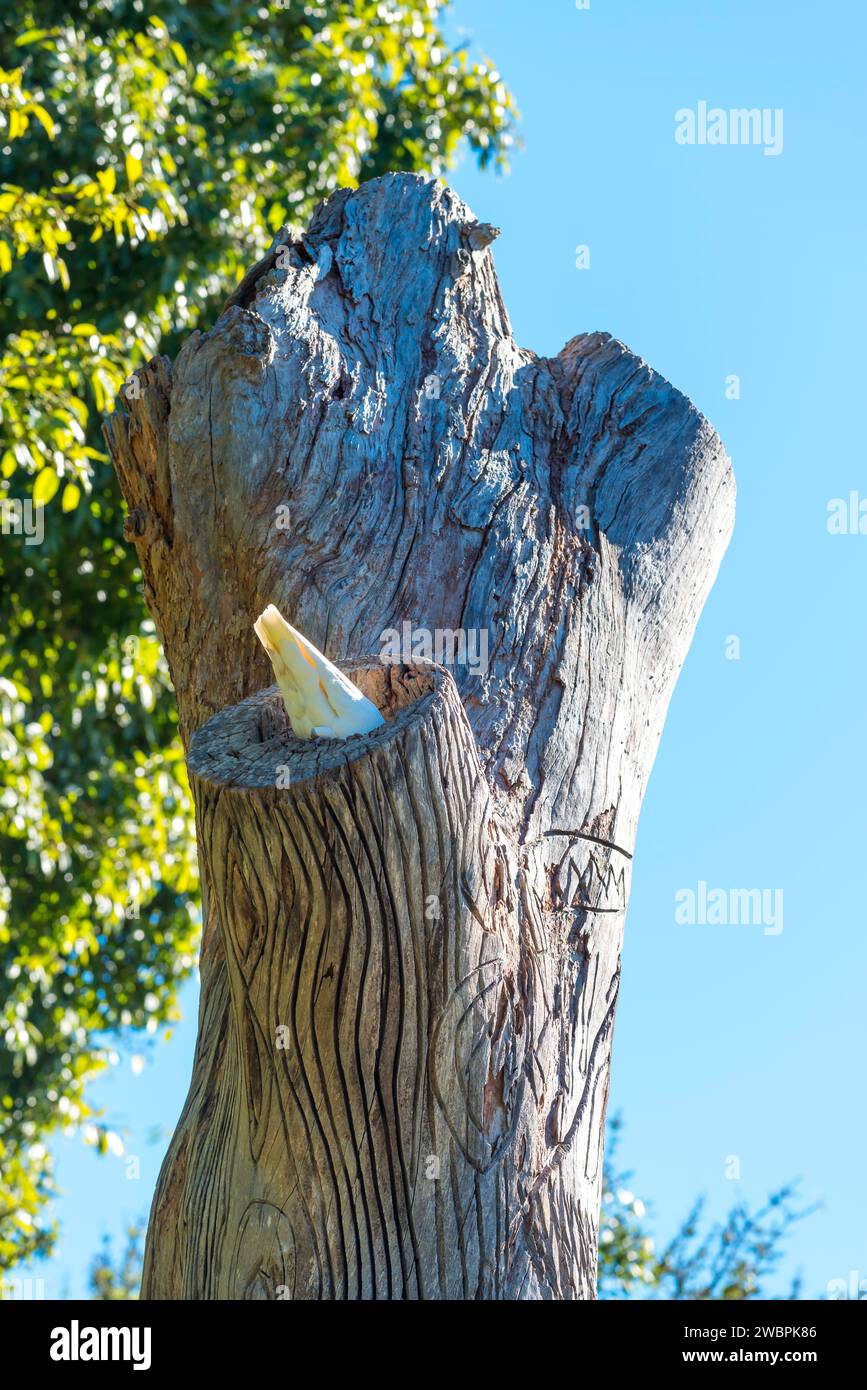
(320, 701)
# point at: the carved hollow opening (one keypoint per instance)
(251, 744)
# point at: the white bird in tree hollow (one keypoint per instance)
(319, 700)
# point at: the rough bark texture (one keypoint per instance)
(575, 509)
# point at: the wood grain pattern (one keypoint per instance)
(574, 509)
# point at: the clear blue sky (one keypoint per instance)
(708, 261)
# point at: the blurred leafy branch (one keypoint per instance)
(731, 1259)
(147, 159)
(114, 1279)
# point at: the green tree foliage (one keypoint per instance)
(732, 1259)
(149, 153)
(114, 1280)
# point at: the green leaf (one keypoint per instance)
(43, 118)
(32, 36)
(71, 497)
(46, 485)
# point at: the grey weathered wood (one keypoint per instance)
(465, 511)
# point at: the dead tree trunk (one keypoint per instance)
(412, 939)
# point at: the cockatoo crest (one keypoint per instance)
(319, 700)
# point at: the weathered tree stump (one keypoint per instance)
(367, 958)
(411, 952)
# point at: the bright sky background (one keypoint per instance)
(707, 261)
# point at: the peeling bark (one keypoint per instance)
(576, 510)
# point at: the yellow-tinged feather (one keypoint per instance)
(320, 701)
